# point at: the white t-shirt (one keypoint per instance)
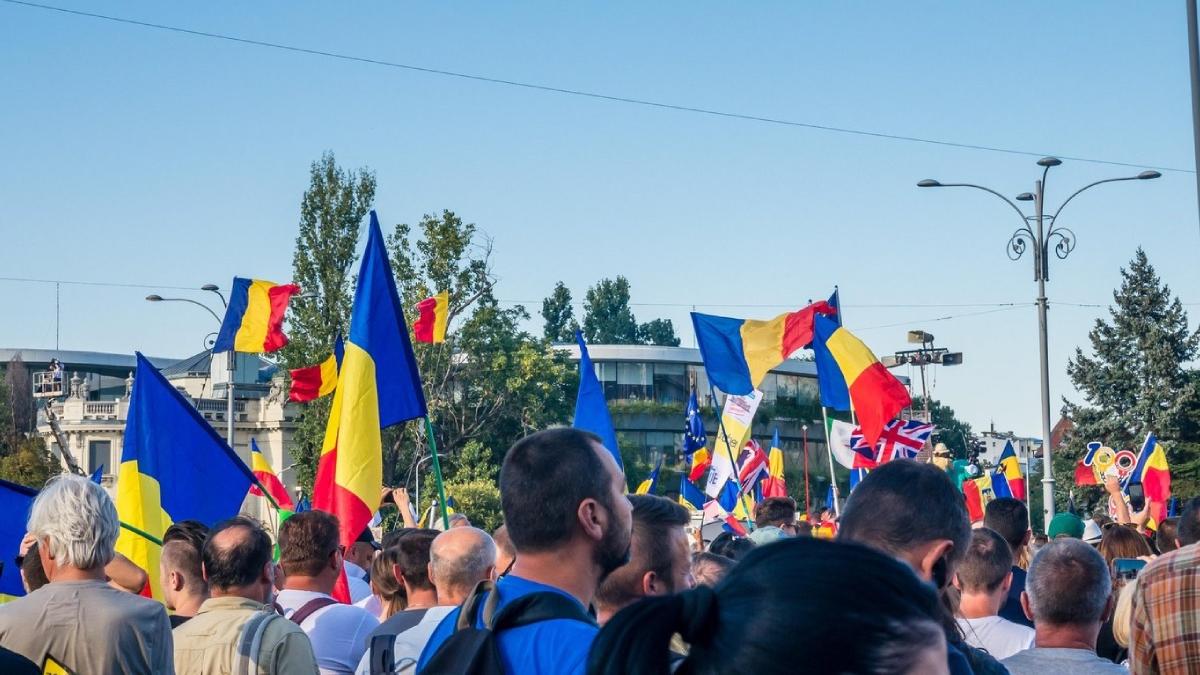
(998, 636)
(360, 588)
(338, 632)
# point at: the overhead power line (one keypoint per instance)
(581, 92)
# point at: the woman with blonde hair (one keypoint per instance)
(385, 586)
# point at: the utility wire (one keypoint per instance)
(581, 92)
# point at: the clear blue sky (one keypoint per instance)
(141, 156)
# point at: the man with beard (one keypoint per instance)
(562, 495)
(659, 563)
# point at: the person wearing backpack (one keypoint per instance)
(236, 630)
(562, 495)
(311, 559)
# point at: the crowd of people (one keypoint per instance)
(583, 578)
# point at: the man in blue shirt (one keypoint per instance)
(1010, 519)
(565, 510)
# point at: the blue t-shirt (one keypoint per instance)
(1012, 604)
(543, 648)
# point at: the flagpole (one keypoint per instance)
(729, 450)
(142, 533)
(807, 500)
(837, 509)
(437, 471)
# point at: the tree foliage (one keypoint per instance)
(559, 316)
(607, 318)
(331, 216)
(26, 460)
(23, 414)
(658, 332)
(1135, 380)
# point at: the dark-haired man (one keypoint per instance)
(565, 510)
(983, 579)
(219, 639)
(182, 582)
(659, 561)
(913, 512)
(1009, 518)
(311, 559)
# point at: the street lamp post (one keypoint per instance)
(1026, 237)
(213, 288)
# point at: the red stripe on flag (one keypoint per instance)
(306, 384)
(279, 297)
(352, 513)
(278, 492)
(878, 397)
(798, 327)
(426, 320)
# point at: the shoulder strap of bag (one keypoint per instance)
(306, 610)
(537, 607)
(250, 643)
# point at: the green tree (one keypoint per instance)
(955, 433)
(331, 216)
(490, 382)
(1135, 381)
(478, 500)
(559, 315)
(28, 462)
(607, 318)
(20, 396)
(658, 332)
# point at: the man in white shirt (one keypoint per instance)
(454, 562)
(357, 563)
(983, 579)
(312, 561)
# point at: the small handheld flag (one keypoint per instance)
(433, 314)
(695, 440)
(690, 496)
(1010, 468)
(1153, 473)
(261, 469)
(647, 486)
(775, 485)
(254, 319)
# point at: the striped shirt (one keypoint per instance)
(1165, 635)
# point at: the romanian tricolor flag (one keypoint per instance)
(1153, 473)
(432, 316)
(695, 440)
(738, 353)
(690, 496)
(774, 485)
(261, 469)
(313, 382)
(254, 319)
(174, 467)
(1010, 466)
(647, 486)
(877, 396)
(378, 386)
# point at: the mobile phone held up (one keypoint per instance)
(1137, 496)
(1127, 568)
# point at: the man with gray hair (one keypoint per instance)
(459, 559)
(78, 623)
(1068, 595)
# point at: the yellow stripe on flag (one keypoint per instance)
(762, 344)
(852, 356)
(329, 375)
(139, 504)
(255, 322)
(441, 316)
(354, 428)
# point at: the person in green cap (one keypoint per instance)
(1065, 525)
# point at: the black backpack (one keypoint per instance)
(474, 651)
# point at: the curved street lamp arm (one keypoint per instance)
(198, 304)
(1089, 185)
(987, 189)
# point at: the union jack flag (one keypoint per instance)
(900, 440)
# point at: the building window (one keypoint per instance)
(670, 382)
(787, 388)
(769, 387)
(607, 374)
(100, 454)
(634, 381)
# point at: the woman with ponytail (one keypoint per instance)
(795, 606)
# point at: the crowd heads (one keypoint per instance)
(237, 555)
(987, 565)
(459, 559)
(308, 544)
(753, 623)
(1068, 585)
(75, 523)
(660, 560)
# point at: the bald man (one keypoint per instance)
(459, 559)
